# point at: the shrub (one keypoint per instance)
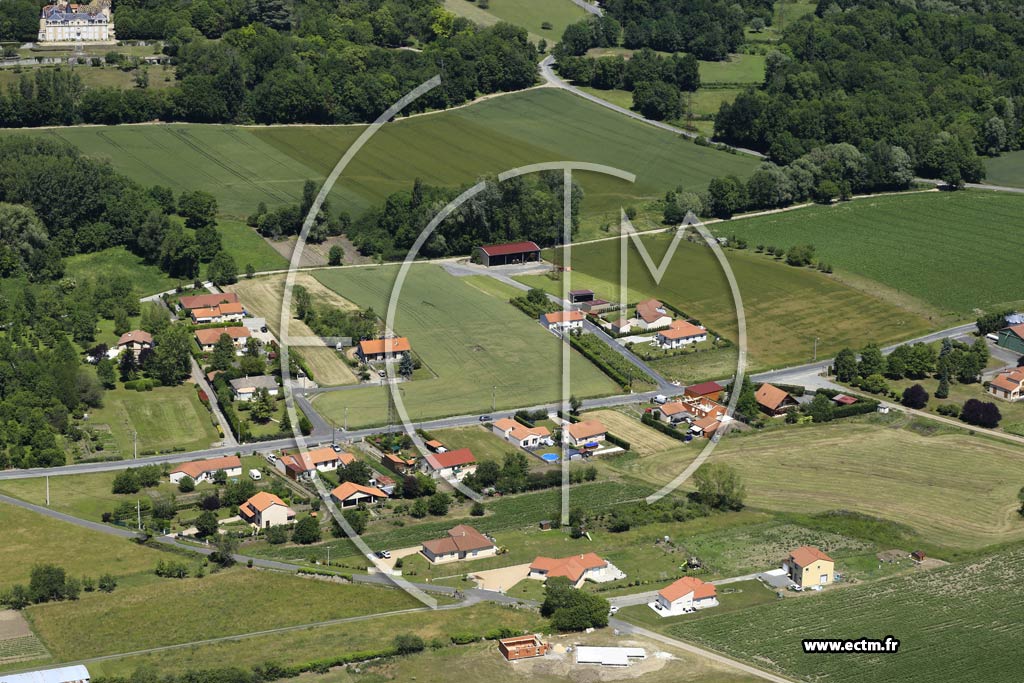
(477, 510)
(107, 583)
(980, 414)
(306, 531)
(915, 397)
(187, 484)
(949, 410)
(408, 643)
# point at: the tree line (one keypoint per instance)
(330, 65)
(521, 208)
(942, 81)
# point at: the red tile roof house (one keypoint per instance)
(462, 543)
(560, 321)
(576, 568)
(585, 432)
(712, 390)
(265, 510)
(673, 412)
(135, 341)
(520, 434)
(1008, 385)
(187, 303)
(651, 314)
(221, 313)
(302, 465)
(377, 350)
(204, 470)
(505, 254)
(773, 400)
(207, 338)
(681, 333)
(450, 464)
(398, 465)
(685, 595)
(350, 495)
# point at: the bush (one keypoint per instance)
(276, 535)
(107, 583)
(477, 510)
(949, 410)
(915, 397)
(980, 414)
(187, 484)
(407, 644)
(307, 531)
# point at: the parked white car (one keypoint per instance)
(255, 475)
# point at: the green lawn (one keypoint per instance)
(529, 14)
(99, 77)
(299, 647)
(739, 68)
(27, 538)
(786, 307)
(476, 346)
(247, 247)
(1006, 169)
(168, 611)
(148, 279)
(483, 442)
(957, 623)
(166, 418)
(945, 242)
(243, 166)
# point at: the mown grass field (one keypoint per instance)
(243, 166)
(476, 346)
(737, 69)
(248, 248)
(27, 538)
(225, 603)
(938, 247)
(954, 490)
(786, 307)
(960, 622)
(1006, 169)
(100, 77)
(297, 647)
(148, 279)
(166, 419)
(529, 14)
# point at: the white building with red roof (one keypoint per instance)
(462, 543)
(520, 434)
(1008, 386)
(681, 333)
(135, 341)
(204, 470)
(350, 495)
(651, 314)
(455, 464)
(561, 321)
(688, 594)
(576, 568)
(265, 510)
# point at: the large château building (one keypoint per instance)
(92, 23)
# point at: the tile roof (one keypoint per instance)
(770, 397)
(685, 586)
(211, 335)
(328, 454)
(260, 502)
(571, 567)
(348, 489)
(135, 336)
(460, 456)
(1004, 382)
(207, 300)
(408, 462)
(562, 317)
(704, 388)
(520, 431)
(1017, 330)
(197, 467)
(254, 382)
(707, 424)
(680, 329)
(651, 310)
(375, 347)
(510, 248)
(673, 408)
(586, 429)
(460, 539)
(808, 554)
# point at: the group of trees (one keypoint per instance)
(709, 29)
(287, 220)
(656, 81)
(942, 81)
(51, 583)
(521, 208)
(955, 362)
(331, 321)
(571, 609)
(825, 173)
(332, 64)
(513, 475)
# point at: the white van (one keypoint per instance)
(661, 399)
(255, 475)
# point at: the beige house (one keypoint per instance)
(1008, 386)
(808, 566)
(519, 434)
(135, 341)
(68, 22)
(205, 470)
(265, 510)
(462, 543)
(588, 431)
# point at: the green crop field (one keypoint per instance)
(786, 307)
(937, 246)
(739, 68)
(225, 603)
(166, 418)
(477, 346)
(248, 248)
(27, 538)
(243, 166)
(529, 14)
(957, 623)
(1005, 169)
(301, 646)
(952, 489)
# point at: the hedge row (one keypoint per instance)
(652, 421)
(863, 406)
(604, 366)
(621, 443)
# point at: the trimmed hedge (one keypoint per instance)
(652, 421)
(621, 443)
(863, 406)
(605, 366)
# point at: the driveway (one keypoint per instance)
(500, 580)
(395, 554)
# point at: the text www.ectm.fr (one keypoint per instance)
(888, 644)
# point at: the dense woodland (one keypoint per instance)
(267, 62)
(522, 208)
(939, 80)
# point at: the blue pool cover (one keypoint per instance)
(549, 457)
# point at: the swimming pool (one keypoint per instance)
(549, 457)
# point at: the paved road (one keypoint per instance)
(200, 379)
(626, 627)
(593, 9)
(555, 80)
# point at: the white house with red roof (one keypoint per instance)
(462, 543)
(220, 313)
(520, 434)
(302, 465)
(205, 470)
(187, 303)
(582, 433)
(688, 594)
(576, 568)
(135, 341)
(651, 314)
(455, 464)
(681, 333)
(265, 510)
(388, 349)
(562, 321)
(1008, 386)
(350, 495)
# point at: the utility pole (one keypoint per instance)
(815, 348)
(494, 390)
(334, 434)
(346, 418)
(138, 512)
(47, 490)
(135, 445)
(328, 556)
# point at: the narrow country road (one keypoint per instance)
(557, 81)
(200, 379)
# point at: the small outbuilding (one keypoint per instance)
(522, 647)
(507, 254)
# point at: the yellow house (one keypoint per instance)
(807, 566)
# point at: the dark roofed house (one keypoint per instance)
(462, 543)
(578, 296)
(712, 390)
(1012, 338)
(773, 400)
(506, 254)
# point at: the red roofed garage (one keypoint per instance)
(506, 254)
